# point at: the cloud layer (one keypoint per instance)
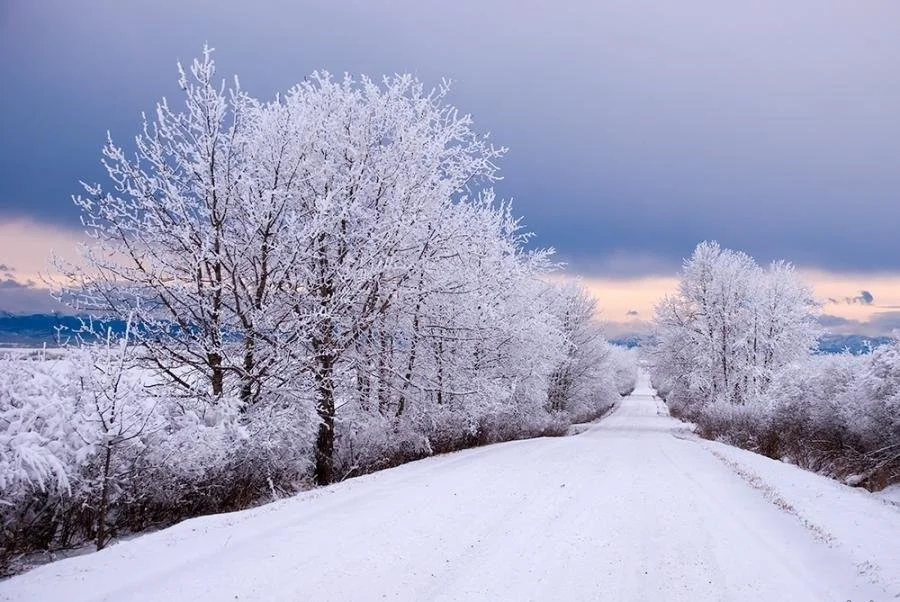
(637, 128)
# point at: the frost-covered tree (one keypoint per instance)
(115, 413)
(729, 327)
(733, 353)
(383, 167)
(161, 240)
(592, 371)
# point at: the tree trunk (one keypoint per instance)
(440, 372)
(247, 377)
(363, 382)
(217, 376)
(411, 359)
(383, 377)
(325, 408)
(104, 500)
(324, 348)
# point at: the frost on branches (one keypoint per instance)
(317, 286)
(733, 354)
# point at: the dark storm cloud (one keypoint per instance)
(863, 298)
(636, 127)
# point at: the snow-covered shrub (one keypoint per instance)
(33, 410)
(841, 415)
(39, 449)
(746, 425)
(877, 422)
(835, 414)
(806, 398)
(91, 447)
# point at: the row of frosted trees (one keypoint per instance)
(313, 287)
(734, 352)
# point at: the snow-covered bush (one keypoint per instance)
(840, 415)
(745, 425)
(92, 446)
(33, 412)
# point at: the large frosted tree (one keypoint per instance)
(254, 244)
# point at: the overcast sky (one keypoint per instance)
(636, 127)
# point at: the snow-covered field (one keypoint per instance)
(633, 508)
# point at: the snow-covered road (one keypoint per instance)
(633, 508)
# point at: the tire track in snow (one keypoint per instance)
(770, 494)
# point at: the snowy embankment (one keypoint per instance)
(634, 508)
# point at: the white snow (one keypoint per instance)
(891, 494)
(634, 508)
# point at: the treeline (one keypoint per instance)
(734, 355)
(315, 287)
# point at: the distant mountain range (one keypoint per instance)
(37, 330)
(856, 344)
(630, 341)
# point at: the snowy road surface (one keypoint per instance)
(634, 508)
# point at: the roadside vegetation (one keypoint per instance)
(734, 353)
(314, 287)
